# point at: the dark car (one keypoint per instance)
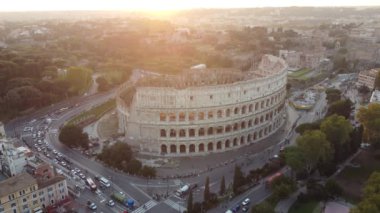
(236, 208)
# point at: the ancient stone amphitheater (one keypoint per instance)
(203, 111)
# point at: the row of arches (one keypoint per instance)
(209, 131)
(219, 145)
(222, 113)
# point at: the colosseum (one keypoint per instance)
(202, 111)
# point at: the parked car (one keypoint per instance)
(91, 205)
(246, 202)
(111, 203)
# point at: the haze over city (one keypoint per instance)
(59, 5)
(166, 106)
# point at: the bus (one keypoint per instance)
(91, 184)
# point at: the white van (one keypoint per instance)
(104, 182)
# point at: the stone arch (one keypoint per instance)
(173, 148)
(262, 119)
(201, 147)
(210, 146)
(235, 142)
(164, 149)
(192, 148)
(242, 126)
(236, 110)
(201, 132)
(249, 138)
(182, 148)
(227, 144)
(242, 140)
(163, 133)
(228, 128)
(260, 133)
(256, 121)
(219, 145)
(219, 113)
(250, 123)
(256, 106)
(255, 136)
(244, 109)
(250, 108)
(210, 131)
(228, 112)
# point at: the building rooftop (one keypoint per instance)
(16, 183)
(47, 182)
(371, 72)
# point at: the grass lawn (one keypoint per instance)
(299, 73)
(304, 207)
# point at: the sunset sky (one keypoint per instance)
(42, 5)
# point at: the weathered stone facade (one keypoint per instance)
(206, 111)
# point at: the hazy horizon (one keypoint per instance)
(154, 5)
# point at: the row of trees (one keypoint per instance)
(322, 145)
(74, 137)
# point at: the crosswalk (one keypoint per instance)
(145, 207)
(175, 205)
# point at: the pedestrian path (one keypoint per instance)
(175, 205)
(145, 207)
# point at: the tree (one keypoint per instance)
(133, 166)
(118, 155)
(308, 126)
(333, 95)
(190, 202)
(371, 198)
(294, 158)
(222, 186)
(333, 189)
(370, 119)
(148, 171)
(337, 130)
(73, 136)
(315, 148)
(340, 107)
(79, 78)
(238, 179)
(206, 193)
(363, 89)
(282, 187)
(103, 84)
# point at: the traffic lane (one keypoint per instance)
(162, 208)
(12, 125)
(91, 166)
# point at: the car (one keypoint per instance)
(91, 205)
(244, 209)
(55, 161)
(63, 163)
(236, 208)
(77, 170)
(55, 151)
(81, 175)
(111, 203)
(60, 155)
(39, 149)
(245, 202)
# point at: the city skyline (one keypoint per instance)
(151, 5)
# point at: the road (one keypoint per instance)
(132, 185)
